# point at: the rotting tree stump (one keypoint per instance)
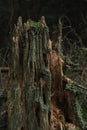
(29, 91)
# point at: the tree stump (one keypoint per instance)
(29, 94)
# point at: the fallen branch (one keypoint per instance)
(80, 69)
(69, 81)
(4, 68)
(80, 86)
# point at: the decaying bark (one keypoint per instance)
(29, 94)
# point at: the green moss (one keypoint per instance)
(63, 118)
(81, 111)
(84, 49)
(37, 25)
(79, 105)
(77, 128)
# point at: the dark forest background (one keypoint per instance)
(74, 10)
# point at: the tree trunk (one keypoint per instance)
(29, 94)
